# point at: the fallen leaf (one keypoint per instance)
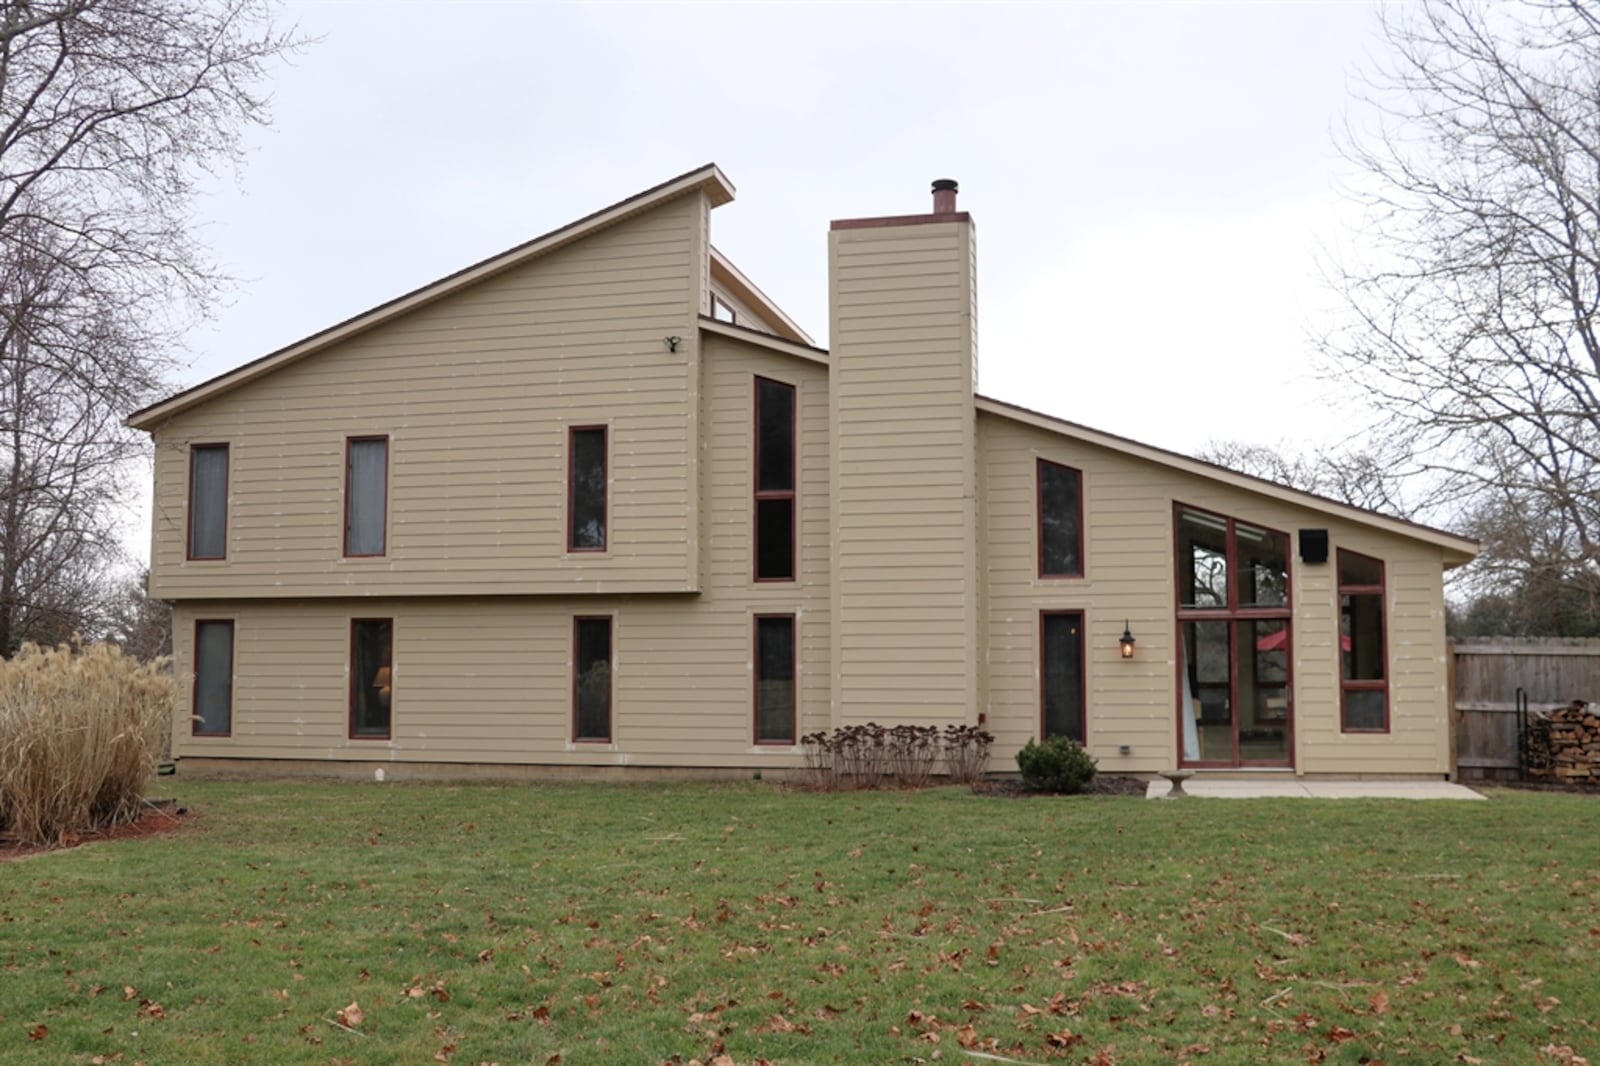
(39, 1032)
(352, 1016)
(1380, 1002)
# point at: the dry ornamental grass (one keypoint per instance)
(81, 729)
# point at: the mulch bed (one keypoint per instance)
(1102, 785)
(159, 819)
(1541, 786)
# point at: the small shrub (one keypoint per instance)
(81, 729)
(1058, 765)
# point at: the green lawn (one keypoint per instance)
(664, 923)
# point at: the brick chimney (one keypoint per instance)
(902, 336)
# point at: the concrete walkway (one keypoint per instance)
(1258, 788)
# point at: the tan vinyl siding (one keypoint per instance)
(1129, 576)
(476, 393)
(904, 547)
(745, 315)
(488, 679)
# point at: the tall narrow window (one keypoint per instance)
(586, 493)
(1363, 677)
(213, 679)
(366, 495)
(774, 481)
(591, 679)
(1060, 520)
(208, 501)
(371, 677)
(775, 690)
(1061, 684)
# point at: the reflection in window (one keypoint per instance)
(1062, 686)
(1060, 512)
(213, 679)
(1263, 567)
(586, 496)
(1202, 560)
(775, 447)
(1363, 677)
(775, 717)
(591, 682)
(208, 501)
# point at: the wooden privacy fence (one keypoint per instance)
(1488, 671)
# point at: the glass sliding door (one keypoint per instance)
(1234, 694)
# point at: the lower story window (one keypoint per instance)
(213, 679)
(1363, 657)
(591, 679)
(775, 689)
(1061, 674)
(371, 677)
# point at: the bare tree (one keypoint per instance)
(111, 112)
(1360, 478)
(1472, 311)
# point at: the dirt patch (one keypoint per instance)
(1542, 786)
(1102, 785)
(157, 820)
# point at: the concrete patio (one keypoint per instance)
(1203, 787)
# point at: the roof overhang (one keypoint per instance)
(724, 273)
(708, 179)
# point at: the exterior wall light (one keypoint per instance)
(1127, 641)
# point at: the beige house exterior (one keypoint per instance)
(597, 502)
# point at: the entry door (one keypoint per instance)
(1235, 704)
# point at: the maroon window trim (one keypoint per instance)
(388, 457)
(1348, 685)
(194, 698)
(1038, 498)
(611, 678)
(1083, 670)
(355, 680)
(1233, 614)
(794, 681)
(775, 494)
(572, 488)
(227, 476)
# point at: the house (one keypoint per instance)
(597, 502)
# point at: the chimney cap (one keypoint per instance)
(945, 185)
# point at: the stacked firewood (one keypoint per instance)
(1564, 744)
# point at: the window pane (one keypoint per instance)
(371, 677)
(592, 685)
(775, 679)
(1059, 538)
(587, 503)
(213, 678)
(775, 539)
(1262, 677)
(208, 502)
(366, 488)
(1263, 567)
(1202, 560)
(1361, 637)
(774, 436)
(1364, 710)
(1063, 676)
(1359, 570)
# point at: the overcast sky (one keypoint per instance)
(1150, 182)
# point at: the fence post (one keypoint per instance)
(1452, 716)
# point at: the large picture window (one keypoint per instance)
(775, 480)
(775, 683)
(371, 678)
(213, 679)
(1060, 520)
(366, 495)
(1061, 683)
(1234, 641)
(591, 679)
(586, 493)
(1363, 656)
(208, 501)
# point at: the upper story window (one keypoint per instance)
(208, 501)
(775, 481)
(586, 491)
(366, 495)
(1226, 565)
(722, 311)
(1363, 657)
(1060, 520)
